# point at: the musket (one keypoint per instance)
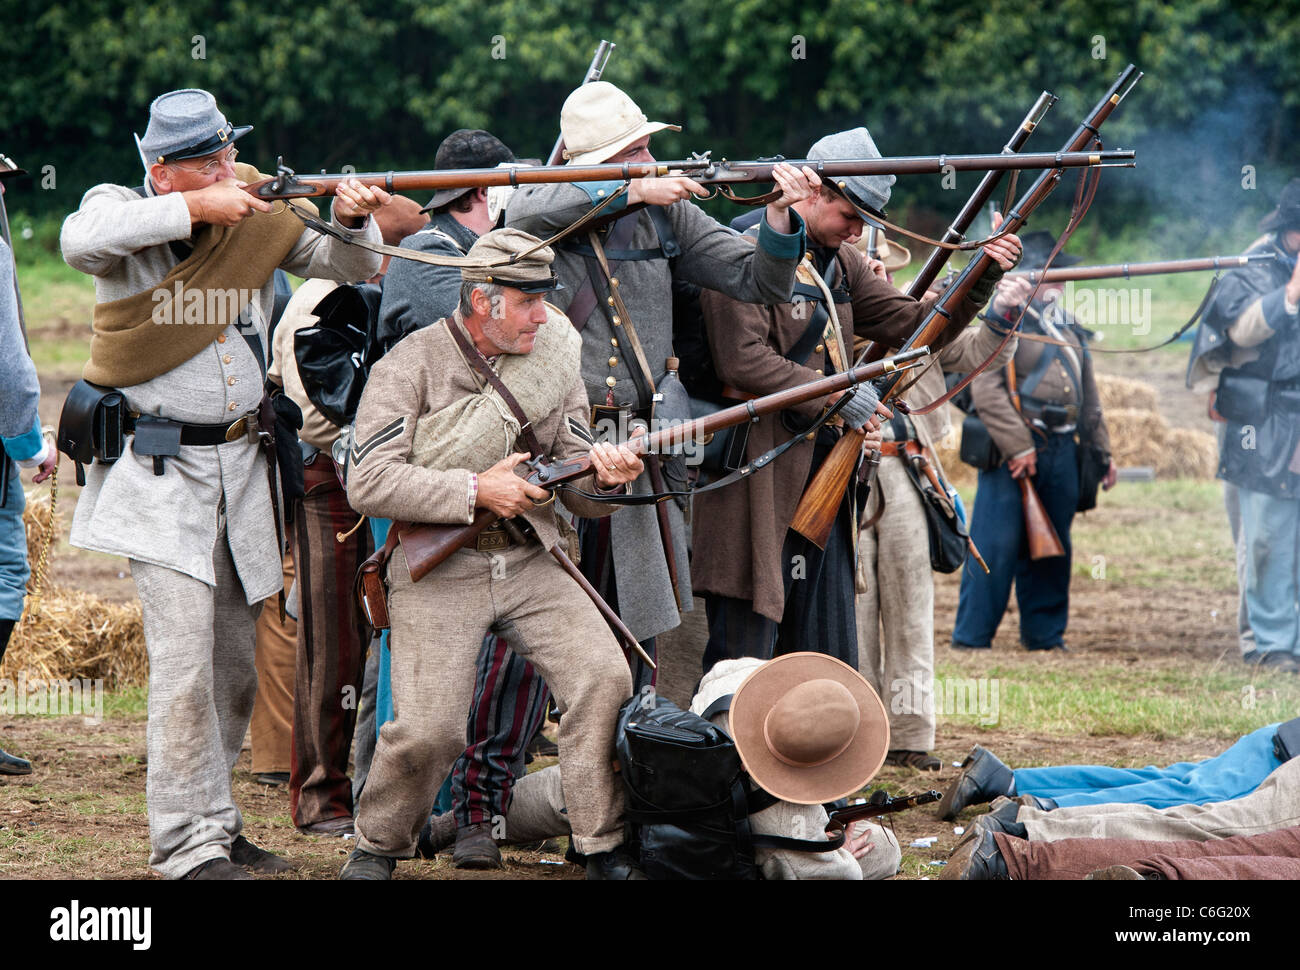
(594, 72)
(878, 804)
(815, 514)
(1126, 270)
(956, 232)
(287, 184)
(873, 242)
(428, 545)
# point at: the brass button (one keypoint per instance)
(232, 406)
(221, 338)
(613, 341)
(613, 281)
(600, 192)
(818, 373)
(611, 381)
(609, 300)
(613, 362)
(618, 322)
(226, 359)
(230, 381)
(819, 348)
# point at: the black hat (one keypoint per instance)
(9, 168)
(1037, 247)
(466, 148)
(1287, 214)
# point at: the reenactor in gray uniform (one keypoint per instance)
(188, 501)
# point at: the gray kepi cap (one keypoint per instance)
(868, 193)
(187, 124)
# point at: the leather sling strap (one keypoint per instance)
(476, 361)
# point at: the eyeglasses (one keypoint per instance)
(209, 167)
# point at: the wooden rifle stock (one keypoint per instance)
(1044, 543)
(937, 320)
(814, 517)
(426, 545)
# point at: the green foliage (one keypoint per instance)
(378, 85)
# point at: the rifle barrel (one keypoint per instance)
(1126, 270)
(983, 192)
(288, 185)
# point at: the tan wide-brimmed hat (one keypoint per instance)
(598, 121)
(809, 728)
(894, 255)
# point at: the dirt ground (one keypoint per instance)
(82, 813)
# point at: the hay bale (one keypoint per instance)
(1116, 393)
(69, 634)
(1137, 437)
(1189, 453)
(66, 633)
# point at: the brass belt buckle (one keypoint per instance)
(490, 540)
(238, 429)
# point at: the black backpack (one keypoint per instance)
(689, 797)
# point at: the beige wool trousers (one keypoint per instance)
(438, 625)
(896, 613)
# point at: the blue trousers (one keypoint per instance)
(998, 528)
(1270, 532)
(13, 549)
(1236, 772)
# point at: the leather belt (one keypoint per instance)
(205, 434)
(899, 449)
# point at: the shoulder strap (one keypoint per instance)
(723, 703)
(476, 361)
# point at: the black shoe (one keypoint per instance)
(273, 778)
(363, 865)
(13, 765)
(219, 868)
(439, 833)
(977, 858)
(615, 864)
(983, 779)
(475, 848)
(1282, 660)
(244, 853)
(970, 646)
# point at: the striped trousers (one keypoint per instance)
(332, 642)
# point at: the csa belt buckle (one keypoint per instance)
(490, 540)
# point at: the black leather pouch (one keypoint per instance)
(977, 447)
(1241, 398)
(90, 425)
(157, 438)
(1286, 745)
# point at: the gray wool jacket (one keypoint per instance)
(173, 520)
(712, 256)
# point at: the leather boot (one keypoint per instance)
(475, 848)
(983, 778)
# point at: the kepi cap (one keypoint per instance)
(532, 273)
(868, 193)
(187, 124)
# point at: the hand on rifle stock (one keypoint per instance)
(1005, 251)
(501, 491)
(1024, 465)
